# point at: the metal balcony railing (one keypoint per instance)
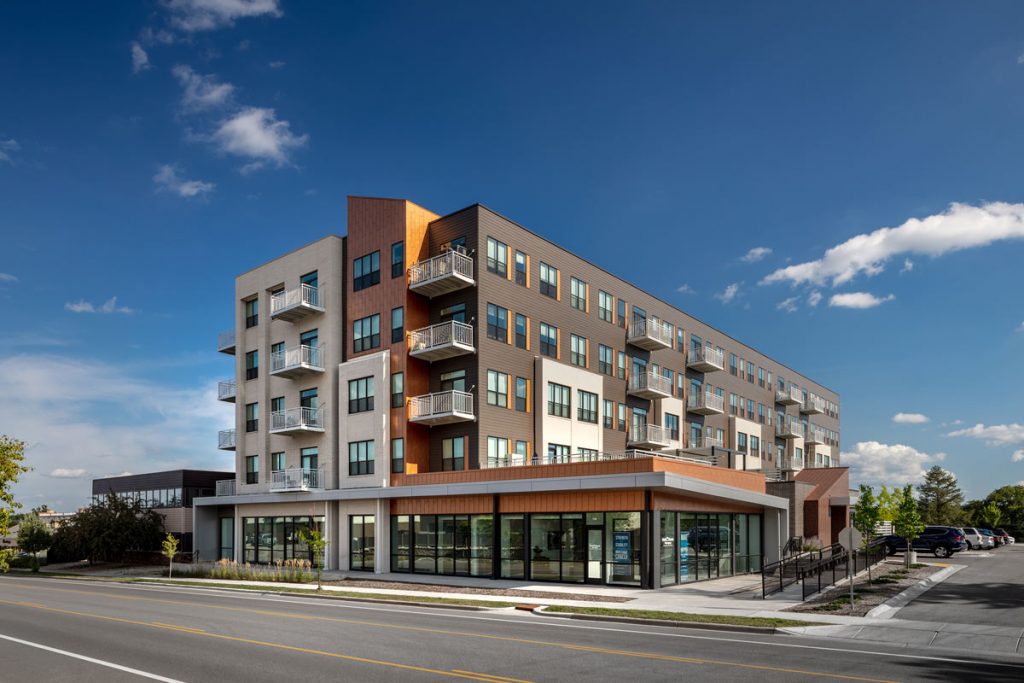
(297, 419)
(226, 439)
(649, 382)
(649, 434)
(226, 341)
(305, 298)
(226, 487)
(814, 405)
(443, 406)
(791, 395)
(442, 340)
(789, 430)
(443, 273)
(227, 390)
(706, 402)
(706, 359)
(304, 357)
(650, 333)
(297, 479)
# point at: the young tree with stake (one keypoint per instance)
(170, 549)
(317, 543)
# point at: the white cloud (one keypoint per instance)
(108, 306)
(1020, 328)
(729, 293)
(140, 60)
(909, 418)
(872, 462)
(858, 300)
(7, 147)
(256, 133)
(207, 15)
(908, 266)
(150, 37)
(1018, 455)
(167, 180)
(1020, 59)
(7, 277)
(994, 435)
(68, 473)
(814, 298)
(788, 305)
(756, 254)
(961, 226)
(201, 92)
(687, 289)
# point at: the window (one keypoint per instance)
(252, 417)
(252, 469)
(398, 456)
(741, 442)
(497, 451)
(454, 380)
(608, 414)
(755, 445)
(604, 306)
(680, 340)
(578, 350)
(309, 458)
(252, 313)
(672, 425)
(311, 279)
(620, 313)
(521, 451)
(397, 390)
(497, 323)
(558, 400)
(588, 453)
(397, 324)
(453, 454)
(456, 312)
(621, 417)
(276, 462)
(578, 294)
(750, 372)
(361, 542)
(605, 359)
(586, 410)
(548, 280)
(620, 365)
(360, 395)
(522, 394)
(750, 409)
(733, 409)
(252, 365)
(366, 333)
(307, 398)
(548, 340)
(521, 331)
(497, 257)
(694, 435)
(366, 271)
(732, 364)
(360, 458)
(760, 413)
(521, 278)
(558, 452)
(497, 389)
(397, 259)
(760, 377)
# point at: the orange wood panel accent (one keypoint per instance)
(442, 505)
(665, 501)
(573, 501)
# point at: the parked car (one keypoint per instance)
(1003, 536)
(974, 539)
(942, 541)
(990, 537)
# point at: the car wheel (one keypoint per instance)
(941, 551)
(970, 546)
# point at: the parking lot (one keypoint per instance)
(988, 590)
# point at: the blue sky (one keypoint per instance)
(151, 151)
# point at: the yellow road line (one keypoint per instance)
(467, 634)
(179, 628)
(490, 676)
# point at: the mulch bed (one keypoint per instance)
(466, 590)
(888, 579)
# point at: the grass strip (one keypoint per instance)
(681, 616)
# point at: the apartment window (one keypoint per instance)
(621, 417)
(620, 313)
(608, 414)
(454, 380)
(760, 377)
(456, 312)
(309, 458)
(720, 435)
(308, 398)
(453, 454)
(548, 340)
(397, 259)
(604, 306)
(252, 365)
(497, 451)
(755, 445)
(694, 435)
(311, 279)
(732, 364)
(558, 452)
(558, 400)
(397, 390)
(497, 389)
(680, 384)
(750, 372)
(798, 453)
(497, 323)
(672, 425)
(760, 413)
(521, 451)
(276, 462)
(521, 331)
(252, 313)
(578, 350)
(586, 409)
(741, 442)
(366, 271)
(360, 458)
(277, 404)
(733, 409)
(578, 294)
(252, 417)
(696, 346)
(620, 365)
(366, 333)
(522, 394)
(605, 359)
(497, 257)
(360, 395)
(398, 456)
(521, 268)
(252, 469)
(680, 340)
(548, 280)
(397, 324)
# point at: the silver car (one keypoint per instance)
(975, 539)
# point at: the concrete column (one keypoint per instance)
(205, 531)
(382, 536)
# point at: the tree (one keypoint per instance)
(887, 502)
(107, 531)
(33, 537)
(1010, 501)
(12, 455)
(972, 512)
(170, 549)
(990, 515)
(865, 517)
(907, 521)
(314, 538)
(940, 497)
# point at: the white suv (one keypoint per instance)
(975, 540)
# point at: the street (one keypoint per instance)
(68, 630)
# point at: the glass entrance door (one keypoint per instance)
(595, 554)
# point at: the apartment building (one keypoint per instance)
(458, 395)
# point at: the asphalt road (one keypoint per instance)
(989, 590)
(64, 630)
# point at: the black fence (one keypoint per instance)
(818, 569)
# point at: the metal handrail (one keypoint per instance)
(649, 433)
(441, 334)
(226, 339)
(708, 399)
(227, 389)
(292, 418)
(652, 328)
(707, 354)
(297, 478)
(632, 454)
(225, 487)
(296, 356)
(226, 438)
(440, 403)
(650, 380)
(304, 295)
(442, 265)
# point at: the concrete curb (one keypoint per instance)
(768, 630)
(889, 608)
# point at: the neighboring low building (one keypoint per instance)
(819, 503)
(170, 494)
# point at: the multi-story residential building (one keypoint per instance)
(456, 394)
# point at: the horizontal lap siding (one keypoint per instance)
(573, 501)
(526, 472)
(663, 501)
(446, 505)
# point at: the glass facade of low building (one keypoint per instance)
(266, 540)
(459, 545)
(701, 546)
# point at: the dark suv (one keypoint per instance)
(943, 541)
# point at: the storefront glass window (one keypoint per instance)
(622, 547)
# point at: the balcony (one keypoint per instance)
(790, 396)
(296, 361)
(704, 445)
(297, 479)
(814, 405)
(648, 436)
(444, 273)
(297, 421)
(226, 342)
(227, 390)
(815, 434)
(706, 403)
(226, 487)
(650, 385)
(791, 463)
(295, 304)
(706, 359)
(444, 407)
(226, 439)
(444, 340)
(650, 334)
(793, 430)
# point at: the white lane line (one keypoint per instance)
(92, 660)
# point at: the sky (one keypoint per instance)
(838, 185)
